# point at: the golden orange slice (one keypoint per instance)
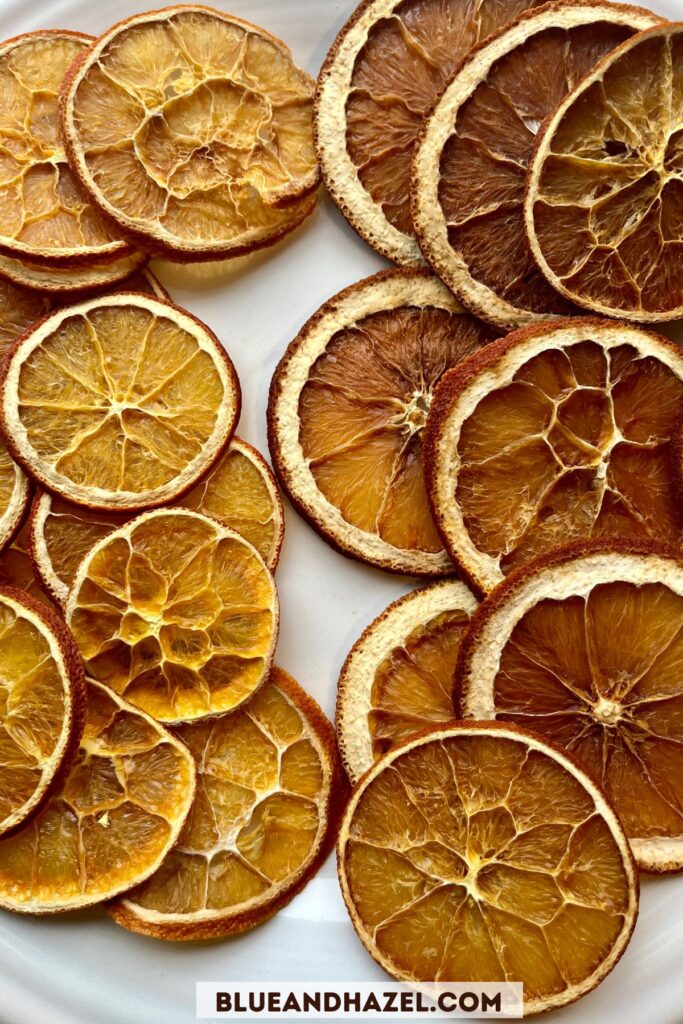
(348, 406)
(121, 402)
(381, 77)
(560, 431)
(176, 613)
(398, 676)
(72, 280)
(193, 131)
(14, 497)
(112, 820)
(470, 163)
(16, 568)
(480, 852)
(604, 192)
(269, 795)
(240, 492)
(45, 216)
(584, 646)
(42, 704)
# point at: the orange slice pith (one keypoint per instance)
(176, 613)
(42, 704)
(269, 793)
(190, 128)
(470, 163)
(111, 821)
(73, 280)
(16, 568)
(14, 497)
(45, 215)
(477, 851)
(398, 676)
(120, 402)
(603, 195)
(381, 76)
(239, 492)
(584, 645)
(347, 409)
(558, 432)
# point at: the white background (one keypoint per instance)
(84, 969)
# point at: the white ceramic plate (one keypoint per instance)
(84, 969)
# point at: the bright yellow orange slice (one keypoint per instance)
(112, 820)
(604, 192)
(240, 492)
(479, 852)
(176, 613)
(193, 131)
(584, 646)
(348, 406)
(269, 795)
(121, 402)
(560, 431)
(470, 164)
(398, 676)
(42, 704)
(14, 497)
(382, 75)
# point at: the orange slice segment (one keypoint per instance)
(46, 216)
(559, 432)
(584, 646)
(381, 77)
(42, 704)
(269, 795)
(16, 568)
(121, 402)
(14, 497)
(112, 820)
(603, 196)
(240, 492)
(193, 131)
(347, 410)
(478, 851)
(398, 676)
(73, 280)
(470, 164)
(176, 613)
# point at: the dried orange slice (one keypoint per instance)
(348, 406)
(269, 794)
(120, 402)
(240, 492)
(111, 821)
(381, 77)
(584, 646)
(177, 613)
(16, 568)
(193, 131)
(398, 676)
(560, 431)
(45, 215)
(42, 704)
(603, 199)
(71, 281)
(478, 851)
(14, 497)
(470, 163)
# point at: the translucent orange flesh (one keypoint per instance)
(193, 127)
(175, 617)
(110, 821)
(257, 815)
(483, 163)
(19, 308)
(16, 569)
(478, 860)
(363, 411)
(602, 677)
(119, 399)
(608, 210)
(34, 705)
(577, 445)
(41, 204)
(413, 685)
(396, 79)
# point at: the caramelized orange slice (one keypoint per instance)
(269, 792)
(72, 281)
(14, 497)
(480, 852)
(16, 568)
(560, 431)
(347, 411)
